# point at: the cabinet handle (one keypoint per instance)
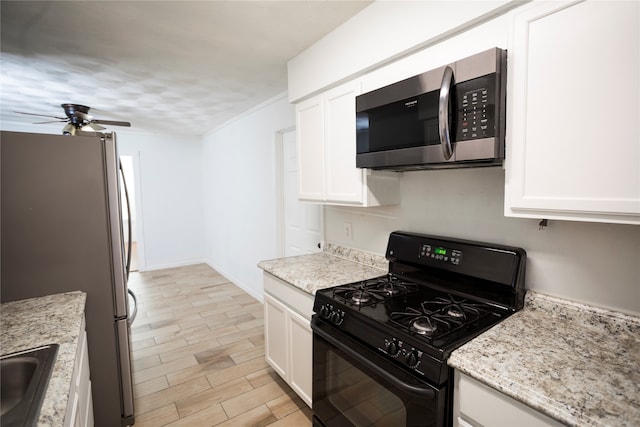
(443, 113)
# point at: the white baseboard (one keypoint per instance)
(173, 265)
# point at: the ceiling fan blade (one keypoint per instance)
(50, 121)
(93, 126)
(111, 123)
(42, 115)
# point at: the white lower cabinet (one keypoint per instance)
(80, 406)
(288, 335)
(477, 405)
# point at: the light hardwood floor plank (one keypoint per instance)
(256, 417)
(158, 417)
(210, 416)
(254, 398)
(212, 396)
(171, 395)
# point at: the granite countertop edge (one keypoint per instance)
(335, 265)
(53, 319)
(555, 369)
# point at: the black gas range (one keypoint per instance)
(394, 333)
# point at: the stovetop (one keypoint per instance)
(428, 316)
(439, 293)
(414, 325)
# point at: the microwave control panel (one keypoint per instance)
(476, 108)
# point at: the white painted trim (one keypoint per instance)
(272, 100)
(174, 265)
(279, 186)
(139, 237)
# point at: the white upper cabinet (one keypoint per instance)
(310, 145)
(344, 182)
(573, 140)
(326, 138)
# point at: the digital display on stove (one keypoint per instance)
(442, 254)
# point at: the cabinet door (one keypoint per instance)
(275, 335)
(344, 182)
(83, 384)
(80, 405)
(300, 355)
(573, 143)
(310, 144)
(89, 421)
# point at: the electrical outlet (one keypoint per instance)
(348, 231)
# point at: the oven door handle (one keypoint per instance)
(348, 346)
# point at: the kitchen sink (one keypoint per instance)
(24, 376)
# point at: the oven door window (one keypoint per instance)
(359, 398)
(354, 386)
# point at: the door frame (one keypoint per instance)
(279, 192)
(138, 237)
(279, 175)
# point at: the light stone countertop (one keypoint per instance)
(334, 266)
(578, 364)
(53, 319)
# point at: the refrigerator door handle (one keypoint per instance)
(134, 312)
(126, 196)
(115, 216)
(125, 367)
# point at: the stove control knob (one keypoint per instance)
(412, 358)
(336, 317)
(392, 347)
(325, 312)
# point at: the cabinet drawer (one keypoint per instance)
(480, 405)
(296, 299)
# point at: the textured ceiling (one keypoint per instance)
(166, 66)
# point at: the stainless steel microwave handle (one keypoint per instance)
(443, 113)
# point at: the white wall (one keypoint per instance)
(588, 262)
(169, 195)
(239, 193)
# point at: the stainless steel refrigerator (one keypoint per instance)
(61, 230)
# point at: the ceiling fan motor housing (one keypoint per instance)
(77, 114)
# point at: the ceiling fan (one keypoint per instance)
(78, 117)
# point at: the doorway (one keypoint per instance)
(300, 223)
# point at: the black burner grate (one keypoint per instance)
(438, 317)
(373, 291)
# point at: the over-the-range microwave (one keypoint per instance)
(453, 116)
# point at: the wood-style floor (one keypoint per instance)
(198, 350)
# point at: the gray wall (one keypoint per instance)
(592, 263)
